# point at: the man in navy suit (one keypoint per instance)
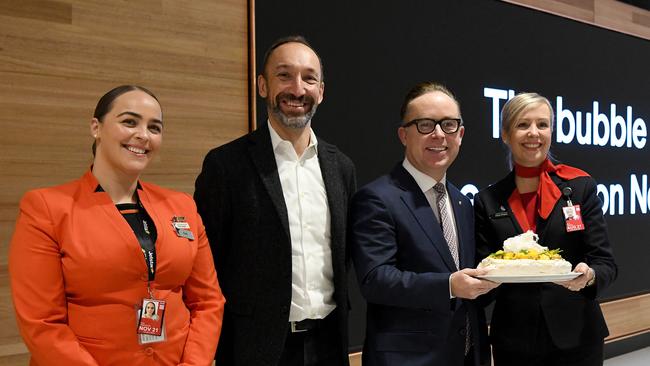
(412, 239)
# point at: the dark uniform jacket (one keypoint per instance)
(572, 318)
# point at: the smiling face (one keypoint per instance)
(432, 153)
(529, 135)
(129, 134)
(292, 85)
(150, 309)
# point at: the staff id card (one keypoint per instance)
(151, 316)
(573, 218)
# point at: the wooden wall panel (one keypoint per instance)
(608, 14)
(355, 359)
(622, 17)
(58, 57)
(627, 317)
(582, 10)
(52, 11)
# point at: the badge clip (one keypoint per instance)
(572, 215)
(182, 227)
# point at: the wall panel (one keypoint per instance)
(609, 14)
(58, 57)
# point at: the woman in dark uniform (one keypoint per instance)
(545, 323)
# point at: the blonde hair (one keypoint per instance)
(518, 105)
(514, 108)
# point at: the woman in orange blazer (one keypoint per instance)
(86, 256)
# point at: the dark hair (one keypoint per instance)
(421, 89)
(147, 304)
(291, 39)
(105, 103)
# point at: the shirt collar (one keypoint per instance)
(424, 181)
(276, 139)
(90, 177)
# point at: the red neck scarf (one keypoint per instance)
(547, 192)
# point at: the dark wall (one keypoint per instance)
(374, 52)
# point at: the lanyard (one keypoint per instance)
(147, 243)
(143, 229)
(150, 260)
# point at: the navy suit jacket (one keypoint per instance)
(403, 266)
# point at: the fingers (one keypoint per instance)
(474, 271)
(574, 288)
(490, 285)
(581, 268)
(467, 287)
(576, 284)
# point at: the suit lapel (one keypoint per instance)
(261, 152)
(336, 200)
(102, 201)
(334, 186)
(506, 187)
(418, 205)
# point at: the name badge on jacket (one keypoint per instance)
(182, 228)
(573, 218)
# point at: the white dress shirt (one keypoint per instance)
(426, 183)
(312, 275)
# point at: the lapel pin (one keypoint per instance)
(182, 227)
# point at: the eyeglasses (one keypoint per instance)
(426, 125)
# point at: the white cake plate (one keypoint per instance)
(531, 278)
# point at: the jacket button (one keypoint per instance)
(148, 351)
(462, 331)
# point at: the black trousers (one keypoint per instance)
(548, 354)
(320, 346)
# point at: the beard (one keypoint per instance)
(295, 122)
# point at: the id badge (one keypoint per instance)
(573, 218)
(182, 228)
(151, 316)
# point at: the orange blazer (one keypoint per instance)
(78, 277)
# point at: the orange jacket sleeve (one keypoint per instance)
(205, 301)
(37, 287)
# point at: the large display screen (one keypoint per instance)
(485, 52)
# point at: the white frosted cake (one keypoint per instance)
(523, 256)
